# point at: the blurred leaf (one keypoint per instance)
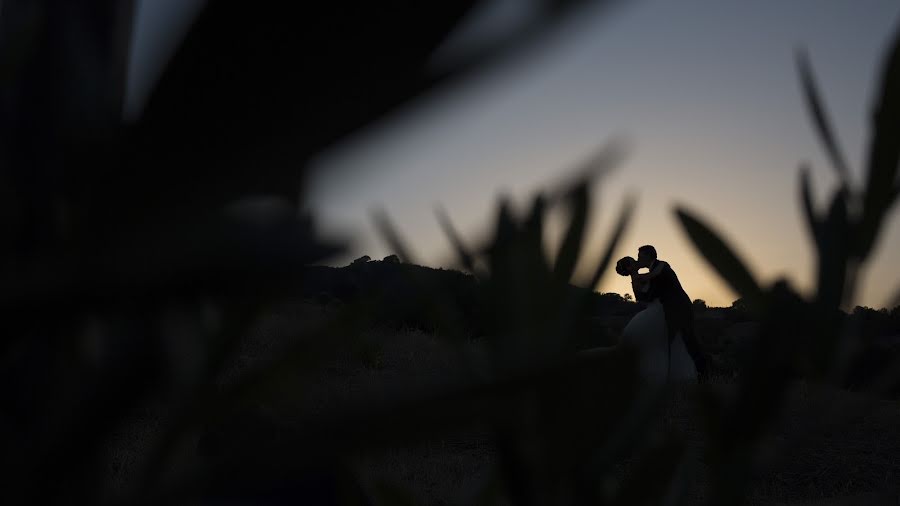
(820, 118)
(833, 253)
(196, 403)
(621, 225)
(571, 246)
(505, 229)
(884, 152)
(445, 308)
(271, 95)
(721, 257)
(809, 208)
(392, 237)
(533, 228)
(466, 259)
(597, 164)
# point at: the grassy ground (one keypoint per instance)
(831, 446)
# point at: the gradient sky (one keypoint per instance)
(705, 90)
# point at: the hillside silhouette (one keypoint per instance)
(396, 297)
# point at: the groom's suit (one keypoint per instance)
(677, 307)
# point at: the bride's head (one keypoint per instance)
(625, 266)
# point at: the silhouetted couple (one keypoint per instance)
(664, 331)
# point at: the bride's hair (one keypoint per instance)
(625, 265)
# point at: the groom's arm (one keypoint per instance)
(656, 271)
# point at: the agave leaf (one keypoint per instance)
(466, 258)
(596, 165)
(392, 237)
(820, 118)
(884, 152)
(284, 96)
(195, 404)
(621, 225)
(720, 256)
(809, 208)
(579, 203)
(61, 93)
(533, 227)
(505, 232)
(833, 253)
(67, 462)
(445, 308)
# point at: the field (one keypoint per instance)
(832, 446)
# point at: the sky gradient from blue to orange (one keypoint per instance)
(707, 93)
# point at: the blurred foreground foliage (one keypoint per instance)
(135, 260)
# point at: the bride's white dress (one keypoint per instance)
(647, 333)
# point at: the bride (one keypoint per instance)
(659, 360)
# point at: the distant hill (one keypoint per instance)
(398, 294)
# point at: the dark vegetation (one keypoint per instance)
(395, 300)
(395, 296)
(132, 274)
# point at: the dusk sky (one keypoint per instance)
(705, 91)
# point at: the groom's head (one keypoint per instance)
(646, 256)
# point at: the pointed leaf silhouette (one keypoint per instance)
(391, 236)
(445, 308)
(596, 165)
(621, 225)
(566, 259)
(820, 118)
(466, 258)
(720, 256)
(262, 100)
(833, 253)
(808, 207)
(884, 153)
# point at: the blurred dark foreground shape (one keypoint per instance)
(137, 266)
(129, 274)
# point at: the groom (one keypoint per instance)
(676, 304)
